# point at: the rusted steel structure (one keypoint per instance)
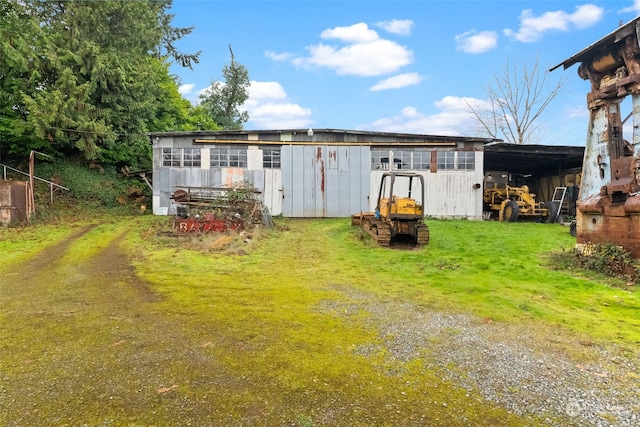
(609, 199)
(14, 201)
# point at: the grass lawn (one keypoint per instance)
(274, 331)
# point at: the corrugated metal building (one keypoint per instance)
(319, 172)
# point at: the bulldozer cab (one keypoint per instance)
(401, 196)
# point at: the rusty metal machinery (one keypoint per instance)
(609, 199)
(512, 203)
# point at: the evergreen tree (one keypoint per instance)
(223, 99)
(93, 73)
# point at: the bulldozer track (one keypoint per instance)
(423, 235)
(379, 230)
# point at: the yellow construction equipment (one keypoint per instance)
(512, 203)
(399, 213)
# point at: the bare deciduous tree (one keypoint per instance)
(517, 98)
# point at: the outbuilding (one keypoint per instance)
(312, 173)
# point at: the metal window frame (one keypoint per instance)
(412, 158)
(271, 157)
(228, 156)
(174, 159)
(191, 157)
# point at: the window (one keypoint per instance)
(466, 160)
(191, 157)
(421, 159)
(271, 157)
(228, 156)
(456, 160)
(407, 158)
(181, 157)
(379, 159)
(402, 159)
(171, 156)
(446, 160)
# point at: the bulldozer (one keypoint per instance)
(399, 213)
(512, 203)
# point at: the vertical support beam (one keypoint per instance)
(596, 171)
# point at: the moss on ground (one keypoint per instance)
(273, 334)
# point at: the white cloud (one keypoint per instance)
(396, 26)
(473, 41)
(586, 16)
(284, 56)
(360, 59)
(453, 119)
(635, 8)
(266, 90)
(397, 82)
(278, 115)
(360, 52)
(186, 89)
(269, 108)
(532, 27)
(357, 33)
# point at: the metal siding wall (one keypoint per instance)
(286, 161)
(324, 181)
(345, 188)
(273, 190)
(254, 158)
(162, 179)
(312, 197)
(232, 176)
(297, 192)
(478, 193)
(332, 183)
(450, 194)
(360, 162)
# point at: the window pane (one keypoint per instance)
(466, 160)
(228, 156)
(166, 157)
(379, 159)
(191, 157)
(422, 160)
(271, 157)
(402, 159)
(218, 157)
(171, 156)
(446, 160)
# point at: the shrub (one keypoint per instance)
(604, 258)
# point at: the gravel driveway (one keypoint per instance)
(525, 372)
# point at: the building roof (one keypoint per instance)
(601, 45)
(325, 135)
(531, 159)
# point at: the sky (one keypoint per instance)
(408, 66)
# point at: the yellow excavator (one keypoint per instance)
(399, 214)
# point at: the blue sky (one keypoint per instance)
(394, 66)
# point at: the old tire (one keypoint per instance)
(510, 211)
(573, 229)
(554, 210)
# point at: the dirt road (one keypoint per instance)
(86, 344)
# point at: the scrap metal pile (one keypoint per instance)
(215, 210)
